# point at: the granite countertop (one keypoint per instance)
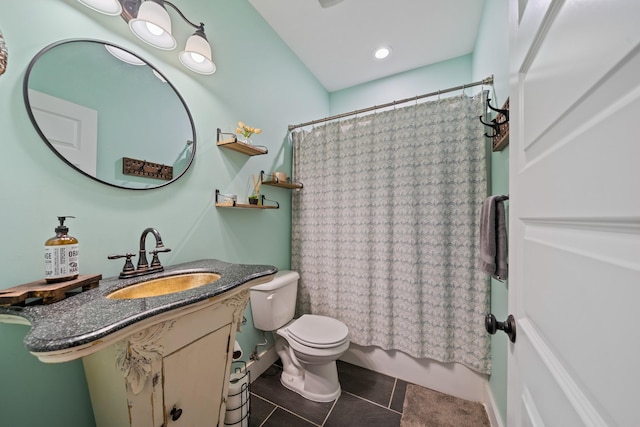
(89, 316)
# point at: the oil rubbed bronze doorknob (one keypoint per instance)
(508, 326)
(175, 413)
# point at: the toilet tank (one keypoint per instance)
(273, 304)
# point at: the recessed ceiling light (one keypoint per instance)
(382, 52)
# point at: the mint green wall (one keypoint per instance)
(259, 81)
(491, 57)
(403, 85)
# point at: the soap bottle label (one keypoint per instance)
(60, 261)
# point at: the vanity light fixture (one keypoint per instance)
(196, 55)
(382, 52)
(153, 26)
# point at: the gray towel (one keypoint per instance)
(493, 258)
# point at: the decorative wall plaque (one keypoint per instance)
(146, 169)
(501, 138)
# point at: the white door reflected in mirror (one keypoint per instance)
(71, 128)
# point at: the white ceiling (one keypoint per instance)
(336, 43)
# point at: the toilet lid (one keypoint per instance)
(318, 331)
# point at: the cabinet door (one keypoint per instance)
(194, 381)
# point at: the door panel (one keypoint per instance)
(589, 36)
(574, 212)
(193, 380)
(597, 129)
(548, 386)
(587, 336)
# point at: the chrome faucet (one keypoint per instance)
(143, 264)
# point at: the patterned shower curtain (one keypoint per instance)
(385, 230)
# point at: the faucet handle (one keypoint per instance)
(128, 265)
(155, 262)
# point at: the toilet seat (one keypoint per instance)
(318, 331)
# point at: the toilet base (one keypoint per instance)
(318, 383)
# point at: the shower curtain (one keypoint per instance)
(385, 230)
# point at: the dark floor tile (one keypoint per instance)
(282, 418)
(398, 395)
(260, 410)
(365, 383)
(351, 411)
(268, 386)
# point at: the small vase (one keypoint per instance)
(253, 200)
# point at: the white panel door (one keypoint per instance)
(71, 128)
(575, 213)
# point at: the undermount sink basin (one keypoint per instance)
(164, 286)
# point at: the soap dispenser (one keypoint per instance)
(61, 255)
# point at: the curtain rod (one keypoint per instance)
(487, 81)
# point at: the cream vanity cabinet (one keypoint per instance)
(171, 372)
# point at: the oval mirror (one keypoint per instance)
(109, 114)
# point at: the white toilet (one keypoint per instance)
(308, 346)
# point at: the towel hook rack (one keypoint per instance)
(499, 125)
(504, 112)
(495, 126)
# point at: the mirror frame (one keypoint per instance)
(25, 93)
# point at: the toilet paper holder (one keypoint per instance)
(237, 351)
(238, 411)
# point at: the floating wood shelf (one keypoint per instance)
(232, 203)
(282, 184)
(232, 143)
(245, 206)
(289, 185)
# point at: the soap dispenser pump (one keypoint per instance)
(61, 255)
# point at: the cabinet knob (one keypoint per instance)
(175, 413)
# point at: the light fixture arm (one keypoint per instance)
(174, 7)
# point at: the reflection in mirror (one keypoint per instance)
(94, 104)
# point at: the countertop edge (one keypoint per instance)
(53, 335)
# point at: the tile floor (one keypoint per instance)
(368, 399)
